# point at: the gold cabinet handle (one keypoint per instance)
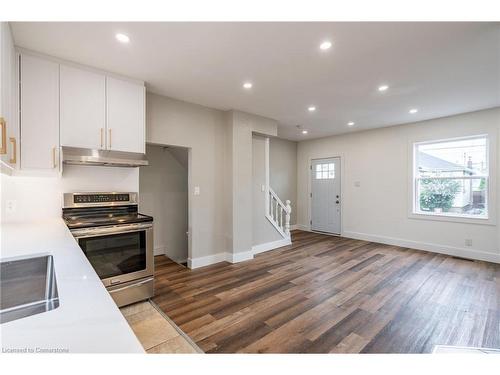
(102, 137)
(54, 163)
(13, 159)
(3, 147)
(110, 138)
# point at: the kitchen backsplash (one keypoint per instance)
(29, 198)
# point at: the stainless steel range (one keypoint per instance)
(117, 240)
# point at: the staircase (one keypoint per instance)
(278, 213)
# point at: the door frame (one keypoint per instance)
(190, 193)
(309, 192)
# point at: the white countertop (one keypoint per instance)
(87, 319)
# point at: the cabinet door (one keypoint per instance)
(83, 106)
(9, 128)
(39, 113)
(125, 111)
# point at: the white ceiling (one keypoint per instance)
(440, 68)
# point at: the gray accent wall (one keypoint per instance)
(203, 130)
(220, 164)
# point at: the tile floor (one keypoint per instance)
(155, 332)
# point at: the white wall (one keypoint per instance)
(262, 230)
(283, 171)
(164, 195)
(378, 209)
(38, 198)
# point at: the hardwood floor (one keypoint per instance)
(325, 294)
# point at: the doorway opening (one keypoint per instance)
(326, 198)
(163, 187)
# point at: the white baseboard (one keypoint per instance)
(236, 257)
(257, 249)
(239, 257)
(294, 227)
(206, 261)
(441, 249)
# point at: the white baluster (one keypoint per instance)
(281, 217)
(276, 208)
(287, 217)
(271, 205)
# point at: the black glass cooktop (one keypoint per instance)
(100, 216)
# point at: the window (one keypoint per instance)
(451, 177)
(325, 171)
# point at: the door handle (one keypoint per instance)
(3, 124)
(54, 164)
(131, 285)
(13, 159)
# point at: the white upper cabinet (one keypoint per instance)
(40, 113)
(83, 108)
(64, 105)
(125, 115)
(9, 124)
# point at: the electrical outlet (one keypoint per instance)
(196, 190)
(11, 206)
(468, 242)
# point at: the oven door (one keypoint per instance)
(120, 253)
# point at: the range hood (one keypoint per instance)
(107, 158)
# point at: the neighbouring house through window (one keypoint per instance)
(451, 177)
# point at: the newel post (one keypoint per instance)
(287, 217)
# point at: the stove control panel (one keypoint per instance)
(99, 199)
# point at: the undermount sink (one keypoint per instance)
(27, 287)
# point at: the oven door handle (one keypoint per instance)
(94, 232)
(131, 285)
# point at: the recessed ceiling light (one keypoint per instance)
(304, 131)
(350, 123)
(122, 38)
(383, 88)
(325, 45)
(413, 111)
(247, 85)
(311, 108)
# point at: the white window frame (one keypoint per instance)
(489, 218)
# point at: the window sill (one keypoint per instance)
(485, 220)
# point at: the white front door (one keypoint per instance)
(325, 195)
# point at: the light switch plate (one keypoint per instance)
(196, 190)
(10, 206)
